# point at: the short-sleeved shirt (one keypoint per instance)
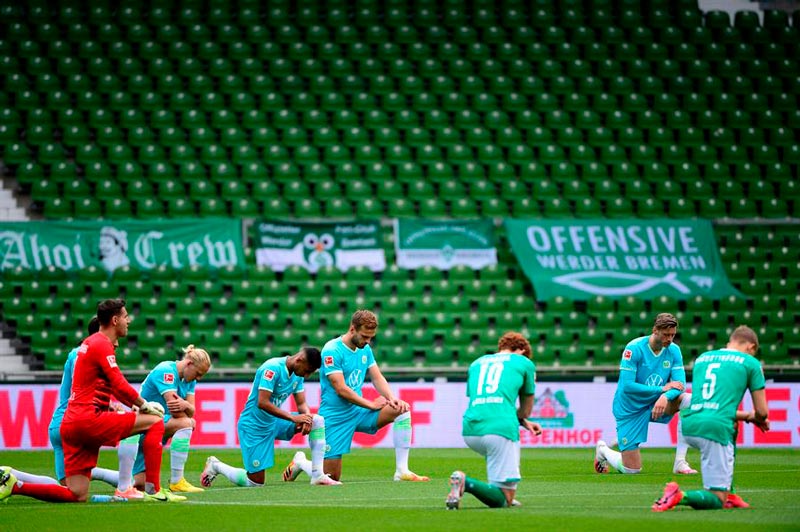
(165, 378)
(493, 385)
(650, 373)
(272, 376)
(353, 365)
(719, 381)
(64, 390)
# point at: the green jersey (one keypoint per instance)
(494, 383)
(720, 379)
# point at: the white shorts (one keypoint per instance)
(502, 458)
(716, 463)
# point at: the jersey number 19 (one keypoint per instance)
(489, 378)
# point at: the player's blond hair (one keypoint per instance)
(744, 334)
(197, 355)
(364, 319)
(665, 320)
(514, 341)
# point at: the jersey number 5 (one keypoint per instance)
(489, 378)
(710, 381)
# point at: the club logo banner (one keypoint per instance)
(112, 244)
(444, 244)
(579, 259)
(316, 245)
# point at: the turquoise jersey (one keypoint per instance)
(643, 374)
(164, 378)
(64, 390)
(272, 376)
(353, 365)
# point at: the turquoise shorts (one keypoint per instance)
(58, 450)
(341, 425)
(632, 430)
(258, 446)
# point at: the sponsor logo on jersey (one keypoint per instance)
(329, 361)
(169, 378)
(269, 374)
(627, 354)
(654, 380)
(83, 348)
(354, 379)
(112, 361)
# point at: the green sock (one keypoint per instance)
(491, 496)
(701, 500)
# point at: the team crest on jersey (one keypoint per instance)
(269, 375)
(666, 363)
(112, 361)
(329, 361)
(364, 359)
(627, 354)
(294, 385)
(169, 378)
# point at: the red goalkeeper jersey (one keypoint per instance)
(96, 378)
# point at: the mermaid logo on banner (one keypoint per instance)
(579, 259)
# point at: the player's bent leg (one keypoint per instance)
(333, 467)
(704, 499)
(179, 453)
(681, 466)
(152, 451)
(631, 461)
(401, 436)
(30, 477)
(623, 462)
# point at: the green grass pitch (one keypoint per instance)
(559, 491)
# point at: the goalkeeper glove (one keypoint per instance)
(152, 407)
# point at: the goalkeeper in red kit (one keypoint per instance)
(89, 423)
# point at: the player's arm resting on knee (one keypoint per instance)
(677, 376)
(347, 393)
(627, 381)
(265, 404)
(759, 415)
(302, 407)
(177, 406)
(383, 388)
(524, 410)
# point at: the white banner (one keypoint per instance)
(572, 414)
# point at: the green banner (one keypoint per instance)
(316, 245)
(213, 242)
(579, 259)
(444, 244)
